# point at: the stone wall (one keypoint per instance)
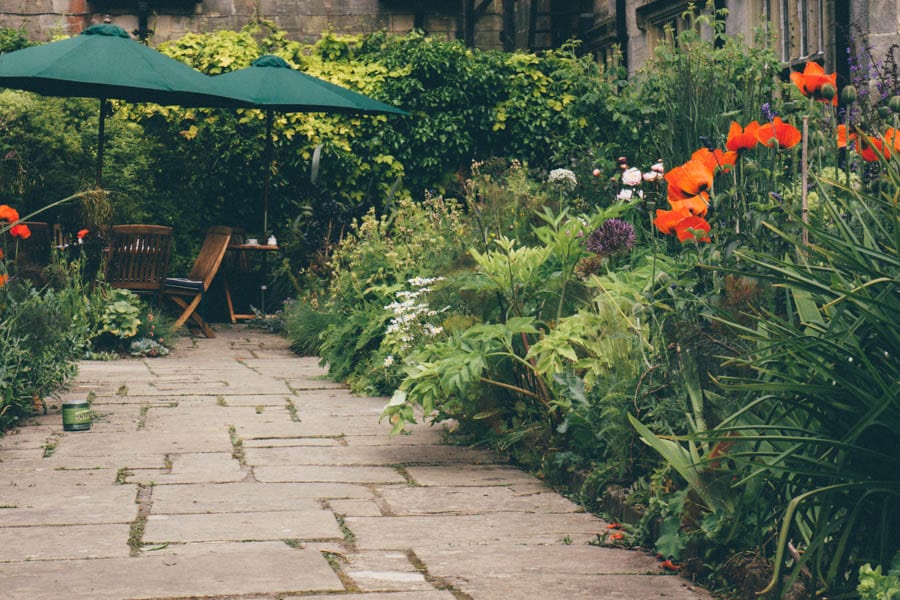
(304, 20)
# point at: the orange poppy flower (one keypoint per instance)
(812, 80)
(688, 180)
(871, 149)
(20, 231)
(666, 220)
(843, 138)
(617, 536)
(716, 159)
(742, 138)
(695, 205)
(3, 279)
(8, 213)
(692, 228)
(892, 139)
(778, 133)
(82, 233)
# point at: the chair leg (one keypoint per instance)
(190, 312)
(187, 309)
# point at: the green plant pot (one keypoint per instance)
(76, 415)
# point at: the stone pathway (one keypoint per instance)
(234, 470)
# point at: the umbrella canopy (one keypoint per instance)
(104, 62)
(271, 84)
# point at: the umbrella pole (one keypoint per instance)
(268, 161)
(100, 129)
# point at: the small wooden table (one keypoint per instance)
(241, 252)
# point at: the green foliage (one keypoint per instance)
(698, 84)
(875, 586)
(147, 347)
(826, 386)
(346, 321)
(13, 39)
(120, 316)
(41, 336)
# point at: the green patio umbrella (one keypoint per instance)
(104, 62)
(271, 84)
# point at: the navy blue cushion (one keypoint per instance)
(182, 283)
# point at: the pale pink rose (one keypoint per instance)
(631, 177)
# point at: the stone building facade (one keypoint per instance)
(803, 29)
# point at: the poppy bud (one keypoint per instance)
(894, 103)
(848, 94)
(789, 107)
(827, 91)
(884, 111)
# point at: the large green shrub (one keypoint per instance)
(345, 321)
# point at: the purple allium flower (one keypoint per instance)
(614, 236)
(767, 112)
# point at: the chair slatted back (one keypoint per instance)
(138, 256)
(211, 254)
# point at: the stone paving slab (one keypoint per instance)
(367, 455)
(235, 470)
(410, 501)
(206, 570)
(478, 476)
(313, 473)
(101, 540)
(246, 497)
(235, 526)
(321, 441)
(418, 595)
(109, 504)
(454, 531)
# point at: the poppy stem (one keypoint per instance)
(804, 177)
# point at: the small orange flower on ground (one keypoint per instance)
(666, 220)
(614, 526)
(688, 180)
(668, 565)
(692, 228)
(778, 133)
(82, 233)
(742, 138)
(8, 213)
(812, 80)
(617, 536)
(20, 231)
(716, 159)
(695, 205)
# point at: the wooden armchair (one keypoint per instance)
(189, 292)
(138, 256)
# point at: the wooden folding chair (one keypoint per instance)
(137, 257)
(189, 292)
